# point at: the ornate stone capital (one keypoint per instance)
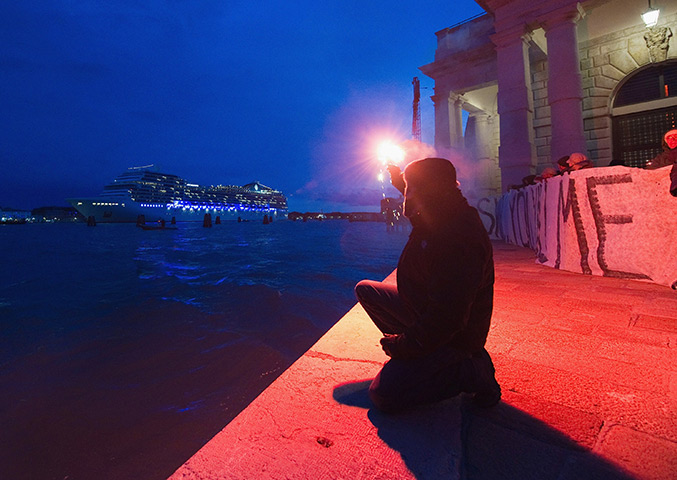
(480, 116)
(562, 17)
(509, 37)
(451, 98)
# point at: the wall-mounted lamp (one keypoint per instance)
(650, 17)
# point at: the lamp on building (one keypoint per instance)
(650, 17)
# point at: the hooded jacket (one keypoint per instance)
(445, 277)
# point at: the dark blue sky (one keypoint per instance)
(294, 94)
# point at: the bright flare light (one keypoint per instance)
(388, 152)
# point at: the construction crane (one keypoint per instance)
(416, 121)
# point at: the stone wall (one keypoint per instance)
(605, 61)
(542, 128)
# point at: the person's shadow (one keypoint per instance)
(426, 438)
(502, 442)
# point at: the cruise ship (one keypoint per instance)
(161, 196)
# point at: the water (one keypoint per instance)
(123, 351)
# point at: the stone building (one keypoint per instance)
(543, 79)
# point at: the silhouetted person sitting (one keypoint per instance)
(436, 319)
(666, 158)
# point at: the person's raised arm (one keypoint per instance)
(396, 177)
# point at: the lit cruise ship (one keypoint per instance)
(145, 191)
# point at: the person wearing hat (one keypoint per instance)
(578, 161)
(666, 158)
(563, 165)
(435, 320)
(547, 172)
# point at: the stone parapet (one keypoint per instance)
(316, 421)
(587, 369)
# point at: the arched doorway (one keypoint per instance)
(643, 109)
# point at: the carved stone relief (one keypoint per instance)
(658, 42)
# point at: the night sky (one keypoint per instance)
(294, 94)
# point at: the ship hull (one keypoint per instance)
(107, 210)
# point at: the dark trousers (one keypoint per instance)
(402, 384)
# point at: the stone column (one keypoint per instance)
(448, 120)
(517, 153)
(565, 91)
(482, 135)
(458, 140)
(482, 140)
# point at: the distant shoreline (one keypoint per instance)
(350, 216)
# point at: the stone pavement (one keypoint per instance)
(589, 378)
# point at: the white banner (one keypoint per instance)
(612, 221)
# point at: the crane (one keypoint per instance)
(416, 121)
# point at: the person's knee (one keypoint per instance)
(361, 289)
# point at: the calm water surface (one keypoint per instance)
(123, 351)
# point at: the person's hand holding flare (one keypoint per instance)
(393, 170)
(396, 177)
(390, 155)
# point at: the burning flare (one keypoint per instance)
(388, 152)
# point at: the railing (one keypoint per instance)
(466, 20)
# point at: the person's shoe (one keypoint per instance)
(489, 398)
(487, 391)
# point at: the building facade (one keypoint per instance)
(541, 80)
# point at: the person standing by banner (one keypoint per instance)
(666, 158)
